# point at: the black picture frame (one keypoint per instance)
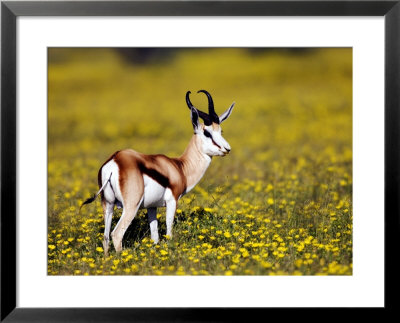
(11, 10)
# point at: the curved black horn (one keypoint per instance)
(211, 112)
(203, 115)
(190, 105)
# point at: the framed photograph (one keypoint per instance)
(164, 160)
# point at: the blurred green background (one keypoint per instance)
(289, 103)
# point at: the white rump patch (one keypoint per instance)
(112, 191)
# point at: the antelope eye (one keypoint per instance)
(207, 134)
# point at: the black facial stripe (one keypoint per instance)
(215, 143)
(207, 134)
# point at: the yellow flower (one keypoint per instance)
(99, 249)
(180, 271)
(51, 247)
(227, 234)
(270, 201)
(269, 188)
(266, 264)
(236, 259)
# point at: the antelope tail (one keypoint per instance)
(91, 199)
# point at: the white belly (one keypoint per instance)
(154, 193)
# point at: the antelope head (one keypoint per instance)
(210, 133)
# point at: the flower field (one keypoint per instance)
(279, 204)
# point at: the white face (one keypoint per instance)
(213, 143)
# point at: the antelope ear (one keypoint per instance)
(226, 114)
(195, 118)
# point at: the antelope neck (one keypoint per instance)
(195, 163)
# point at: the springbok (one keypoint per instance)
(133, 180)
